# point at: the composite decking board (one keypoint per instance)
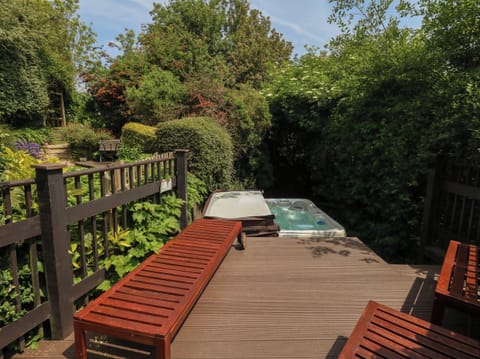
(286, 298)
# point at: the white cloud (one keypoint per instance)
(296, 28)
(303, 22)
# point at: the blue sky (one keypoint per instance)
(300, 21)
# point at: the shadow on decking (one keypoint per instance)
(306, 310)
(346, 245)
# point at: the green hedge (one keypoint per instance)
(137, 135)
(211, 150)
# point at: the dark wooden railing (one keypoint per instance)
(65, 214)
(452, 206)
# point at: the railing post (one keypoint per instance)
(55, 245)
(181, 174)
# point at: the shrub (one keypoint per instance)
(129, 153)
(136, 134)
(83, 139)
(35, 135)
(211, 153)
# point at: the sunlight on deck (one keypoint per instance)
(285, 298)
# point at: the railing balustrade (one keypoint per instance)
(452, 205)
(46, 221)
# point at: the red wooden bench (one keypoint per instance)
(458, 284)
(149, 305)
(383, 332)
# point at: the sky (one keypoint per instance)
(302, 22)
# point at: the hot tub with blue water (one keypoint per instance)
(300, 217)
(286, 217)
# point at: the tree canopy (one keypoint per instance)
(43, 44)
(196, 58)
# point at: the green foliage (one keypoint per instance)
(251, 45)
(83, 139)
(43, 45)
(358, 127)
(211, 156)
(244, 113)
(107, 86)
(153, 226)
(196, 59)
(37, 135)
(452, 31)
(23, 294)
(4, 159)
(197, 191)
(137, 134)
(18, 165)
(8, 312)
(130, 153)
(158, 97)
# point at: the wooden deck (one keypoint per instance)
(281, 298)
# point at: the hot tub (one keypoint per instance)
(299, 217)
(286, 217)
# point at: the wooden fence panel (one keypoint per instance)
(452, 206)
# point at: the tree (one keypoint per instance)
(218, 38)
(196, 58)
(157, 98)
(452, 29)
(252, 46)
(43, 45)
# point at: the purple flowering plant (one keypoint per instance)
(32, 148)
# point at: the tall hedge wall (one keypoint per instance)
(210, 145)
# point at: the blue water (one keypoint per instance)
(297, 217)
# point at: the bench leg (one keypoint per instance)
(162, 349)
(80, 341)
(437, 311)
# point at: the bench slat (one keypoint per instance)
(443, 283)
(390, 345)
(150, 304)
(141, 300)
(472, 278)
(384, 332)
(124, 325)
(169, 299)
(459, 271)
(148, 272)
(409, 335)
